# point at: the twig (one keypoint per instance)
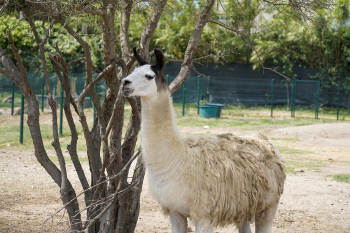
(247, 39)
(199, 73)
(115, 196)
(113, 177)
(75, 61)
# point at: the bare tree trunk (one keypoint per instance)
(192, 47)
(113, 202)
(67, 192)
(134, 205)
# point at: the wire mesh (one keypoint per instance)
(199, 90)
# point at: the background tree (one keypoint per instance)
(101, 34)
(284, 43)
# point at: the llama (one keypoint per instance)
(216, 181)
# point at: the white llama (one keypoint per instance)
(216, 181)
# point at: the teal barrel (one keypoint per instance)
(219, 106)
(208, 111)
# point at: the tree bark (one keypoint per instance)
(192, 47)
(67, 192)
(113, 202)
(151, 26)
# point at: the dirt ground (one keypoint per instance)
(311, 202)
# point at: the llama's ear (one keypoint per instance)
(139, 59)
(159, 59)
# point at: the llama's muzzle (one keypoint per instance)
(127, 90)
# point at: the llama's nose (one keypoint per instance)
(126, 82)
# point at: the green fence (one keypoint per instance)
(77, 82)
(199, 90)
(263, 92)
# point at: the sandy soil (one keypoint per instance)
(312, 201)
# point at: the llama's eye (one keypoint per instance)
(149, 77)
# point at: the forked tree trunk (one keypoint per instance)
(113, 203)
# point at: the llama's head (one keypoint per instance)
(146, 80)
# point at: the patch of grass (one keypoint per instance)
(68, 160)
(17, 102)
(287, 139)
(242, 117)
(341, 178)
(247, 123)
(247, 118)
(325, 113)
(8, 105)
(291, 151)
(10, 130)
(303, 163)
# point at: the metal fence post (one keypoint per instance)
(198, 92)
(21, 120)
(42, 95)
(294, 96)
(273, 84)
(208, 90)
(292, 99)
(338, 101)
(61, 108)
(13, 98)
(183, 98)
(317, 99)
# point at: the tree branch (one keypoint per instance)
(18, 59)
(192, 47)
(101, 75)
(125, 168)
(94, 12)
(59, 18)
(72, 148)
(67, 192)
(151, 26)
(75, 61)
(247, 39)
(124, 29)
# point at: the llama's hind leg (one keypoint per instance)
(245, 228)
(178, 222)
(204, 227)
(264, 219)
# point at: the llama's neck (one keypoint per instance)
(160, 137)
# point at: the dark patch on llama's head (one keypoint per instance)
(158, 68)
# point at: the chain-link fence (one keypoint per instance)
(264, 92)
(198, 90)
(37, 82)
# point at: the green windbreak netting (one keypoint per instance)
(231, 91)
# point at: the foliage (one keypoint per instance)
(175, 28)
(280, 42)
(172, 35)
(23, 39)
(324, 45)
(27, 47)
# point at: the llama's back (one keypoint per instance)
(237, 177)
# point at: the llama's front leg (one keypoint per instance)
(245, 228)
(204, 227)
(264, 219)
(178, 222)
